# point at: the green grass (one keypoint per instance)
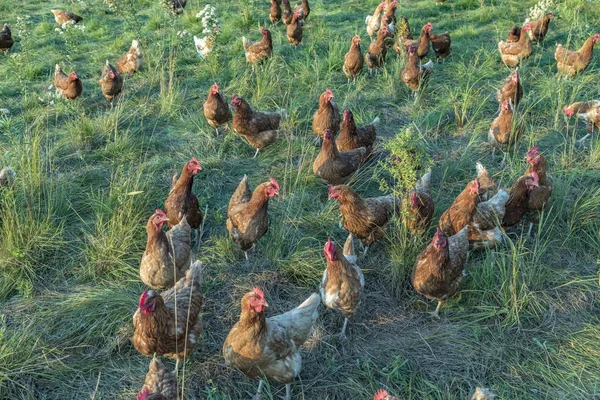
(72, 229)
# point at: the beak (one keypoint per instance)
(265, 304)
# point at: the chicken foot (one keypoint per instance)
(246, 252)
(343, 332)
(288, 391)
(256, 154)
(436, 314)
(258, 395)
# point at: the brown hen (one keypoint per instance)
(110, 82)
(327, 115)
(352, 137)
(418, 207)
(258, 51)
(168, 255)
(365, 218)
(69, 86)
(270, 347)
(6, 40)
(260, 129)
(247, 217)
(511, 90)
(64, 17)
(182, 202)
(294, 29)
(216, 109)
(343, 281)
(160, 383)
(132, 61)
(439, 268)
(353, 59)
(168, 326)
(336, 167)
(415, 75)
(539, 28)
(513, 53)
(461, 211)
(573, 62)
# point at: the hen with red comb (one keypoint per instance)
(168, 326)
(111, 82)
(384, 395)
(540, 194)
(343, 281)
(69, 86)
(168, 254)
(182, 202)
(247, 213)
(513, 52)
(259, 51)
(327, 115)
(269, 348)
(571, 62)
(439, 268)
(334, 166)
(418, 206)
(352, 137)
(216, 109)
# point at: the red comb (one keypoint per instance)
(143, 297)
(380, 395)
(533, 150)
(195, 160)
(160, 212)
(258, 291)
(143, 395)
(274, 183)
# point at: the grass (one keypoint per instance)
(72, 229)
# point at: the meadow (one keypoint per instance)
(526, 320)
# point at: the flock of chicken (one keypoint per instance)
(169, 323)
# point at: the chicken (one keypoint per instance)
(343, 281)
(352, 137)
(589, 111)
(353, 60)
(7, 177)
(182, 202)
(461, 211)
(287, 12)
(175, 6)
(168, 255)
(203, 46)
(216, 109)
(441, 45)
(415, 75)
(6, 40)
(259, 128)
(258, 51)
(511, 90)
(422, 45)
(439, 268)
(514, 34)
(487, 186)
(484, 229)
(70, 86)
(482, 394)
(270, 347)
(327, 115)
(516, 207)
(539, 28)
(336, 167)
(160, 383)
(365, 218)
(305, 7)
(64, 17)
(390, 12)
(502, 134)
(110, 82)
(383, 394)
(294, 29)
(403, 36)
(418, 207)
(513, 53)
(168, 326)
(374, 21)
(247, 216)
(132, 61)
(539, 195)
(573, 62)
(375, 55)
(274, 12)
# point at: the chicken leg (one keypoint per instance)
(288, 391)
(343, 332)
(256, 154)
(436, 314)
(258, 395)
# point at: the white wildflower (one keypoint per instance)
(540, 9)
